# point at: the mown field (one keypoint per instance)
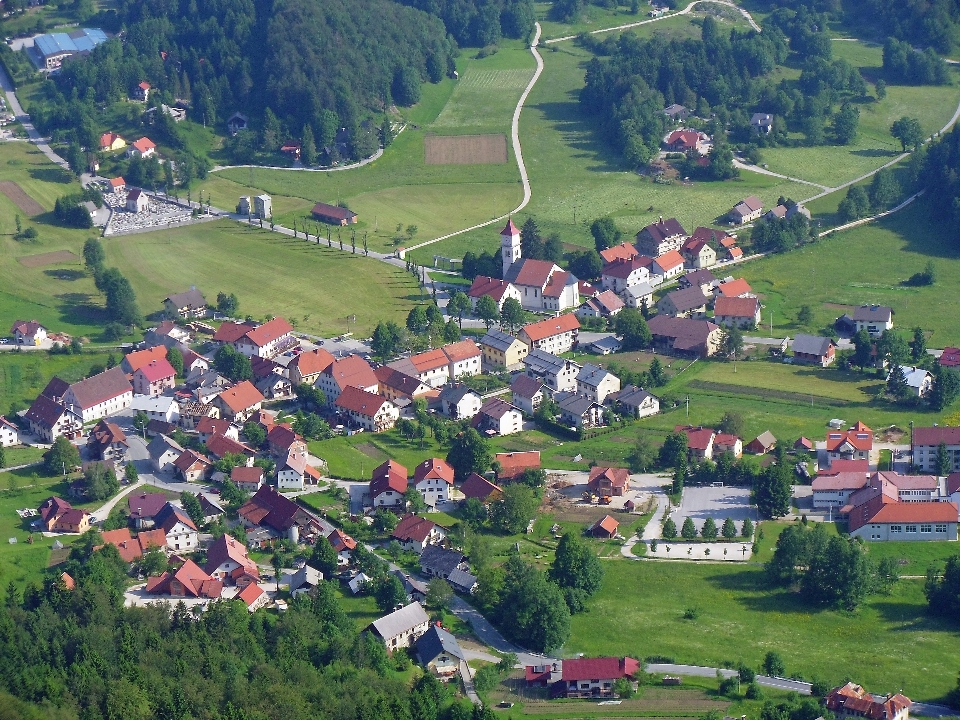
(24, 374)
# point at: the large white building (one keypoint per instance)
(102, 395)
(926, 441)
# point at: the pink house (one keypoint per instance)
(154, 377)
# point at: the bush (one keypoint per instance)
(754, 692)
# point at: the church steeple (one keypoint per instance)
(509, 245)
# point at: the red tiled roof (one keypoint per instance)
(551, 326)
(853, 699)
(117, 182)
(623, 250)
(669, 260)
(706, 234)
(358, 400)
(144, 144)
(463, 350)
(399, 381)
(624, 267)
(230, 332)
(138, 359)
(26, 327)
(227, 549)
(269, 332)
(608, 524)
(190, 458)
(604, 668)
(220, 445)
(698, 438)
(531, 272)
(310, 363)
(433, 469)
(128, 548)
(936, 435)
(269, 507)
(241, 396)
(341, 541)
(859, 436)
(839, 466)
(213, 426)
(735, 252)
(151, 538)
(352, 370)
(684, 138)
(556, 284)
(413, 527)
(246, 474)
(157, 370)
(391, 475)
(737, 307)
(107, 139)
(321, 209)
(618, 477)
(483, 285)
(950, 357)
(478, 487)
(734, 288)
(513, 464)
(840, 481)
(250, 594)
(429, 360)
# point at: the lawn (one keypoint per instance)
(834, 274)
(914, 557)
(24, 374)
(740, 620)
(316, 288)
(356, 456)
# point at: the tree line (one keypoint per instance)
(479, 23)
(121, 302)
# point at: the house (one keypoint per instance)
(661, 237)
(57, 515)
(117, 185)
(351, 371)
(269, 509)
(225, 556)
(436, 561)
(718, 238)
(28, 332)
(414, 533)
(852, 701)
(307, 366)
(220, 446)
(623, 273)
(267, 340)
(919, 381)
(578, 411)
(106, 441)
(237, 122)
(254, 597)
(433, 478)
(747, 210)
(359, 583)
(950, 357)
(169, 334)
(163, 451)
(499, 290)
(697, 253)
(295, 473)
(112, 141)
(853, 444)
(734, 289)
(263, 207)
(738, 312)
(192, 466)
(699, 441)
(595, 677)
(637, 402)
(877, 513)
(777, 213)
(463, 581)
(102, 395)
(761, 123)
(727, 443)
(543, 675)
(143, 508)
(135, 360)
(734, 253)
(179, 528)
(813, 350)
(399, 387)
(608, 481)
(441, 365)
(514, 464)
(343, 544)
(803, 444)
(247, 478)
(553, 335)
(925, 443)
(873, 318)
(596, 383)
(676, 113)
(666, 266)
(163, 408)
(142, 148)
(687, 141)
(623, 251)
(685, 336)
(189, 304)
(543, 285)
(49, 419)
(439, 652)
(557, 374)
(401, 628)
(604, 305)
(212, 510)
(527, 393)
(239, 402)
(189, 580)
(208, 427)
(498, 417)
(154, 378)
(368, 410)
(141, 92)
(502, 350)
(458, 402)
(282, 440)
(639, 296)
(9, 433)
(762, 443)
(688, 302)
(476, 486)
(388, 485)
(416, 589)
(605, 527)
(333, 214)
(834, 489)
(133, 548)
(304, 580)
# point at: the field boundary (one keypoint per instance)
(765, 394)
(19, 197)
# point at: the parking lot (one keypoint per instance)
(720, 503)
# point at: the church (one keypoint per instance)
(543, 285)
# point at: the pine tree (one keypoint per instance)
(308, 147)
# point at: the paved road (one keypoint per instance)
(103, 512)
(7, 85)
(803, 688)
(932, 710)
(763, 171)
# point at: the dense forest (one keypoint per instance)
(479, 23)
(80, 654)
(939, 175)
(926, 23)
(317, 65)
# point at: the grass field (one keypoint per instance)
(740, 620)
(24, 374)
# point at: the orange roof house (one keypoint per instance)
(605, 527)
(514, 464)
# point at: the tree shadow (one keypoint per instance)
(52, 175)
(906, 617)
(65, 274)
(78, 309)
(760, 597)
(577, 131)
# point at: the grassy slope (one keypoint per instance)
(23, 375)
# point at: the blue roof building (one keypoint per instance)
(53, 47)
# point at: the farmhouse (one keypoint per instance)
(684, 336)
(28, 332)
(163, 451)
(433, 478)
(813, 350)
(596, 383)
(688, 302)
(498, 417)
(333, 214)
(697, 253)
(853, 444)
(873, 318)
(105, 442)
(637, 402)
(699, 441)
(926, 441)
(553, 335)
(239, 402)
(133, 548)
(919, 381)
(104, 394)
(295, 473)
(687, 140)
(247, 478)
(208, 427)
(189, 304)
(622, 273)
(639, 296)
(499, 290)
(747, 210)
(267, 340)
(852, 701)
(282, 439)
(388, 485)
(57, 515)
(192, 466)
(661, 237)
(154, 378)
(270, 509)
(734, 288)
(368, 410)
(727, 443)
(557, 374)
(401, 628)
(502, 350)
(666, 266)
(431, 367)
(343, 544)
(189, 580)
(143, 508)
(179, 528)
(593, 677)
(738, 312)
(458, 402)
(608, 481)
(307, 366)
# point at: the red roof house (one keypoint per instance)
(607, 481)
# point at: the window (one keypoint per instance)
(926, 528)
(911, 528)
(942, 528)
(896, 528)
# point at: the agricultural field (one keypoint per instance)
(24, 374)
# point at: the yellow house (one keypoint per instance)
(112, 141)
(502, 350)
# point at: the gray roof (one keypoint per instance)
(633, 396)
(437, 641)
(305, 576)
(498, 339)
(440, 560)
(761, 119)
(574, 404)
(688, 298)
(698, 277)
(161, 444)
(453, 394)
(462, 580)
(640, 290)
(606, 344)
(541, 362)
(400, 621)
(811, 344)
(525, 386)
(592, 375)
(410, 583)
(873, 313)
(192, 298)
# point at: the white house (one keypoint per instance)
(637, 402)
(873, 318)
(181, 532)
(28, 332)
(623, 273)
(926, 441)
(9, 433)
(498, 417)
(433, 479)
(163, 408)
(596, 383)
(557, 374)
(163, 452)
(553, 335)
(543, 285)
(102, 395)
(369, 411)
(401, 628)
(458, 402)
(919, 381)
(737, 311)
(295, 473)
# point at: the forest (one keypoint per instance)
(939, 175)
(479, 23)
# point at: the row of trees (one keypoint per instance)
(883, 192)
(69, 209)
(121, 302)
(709, 531)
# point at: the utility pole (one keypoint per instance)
(687, 401)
